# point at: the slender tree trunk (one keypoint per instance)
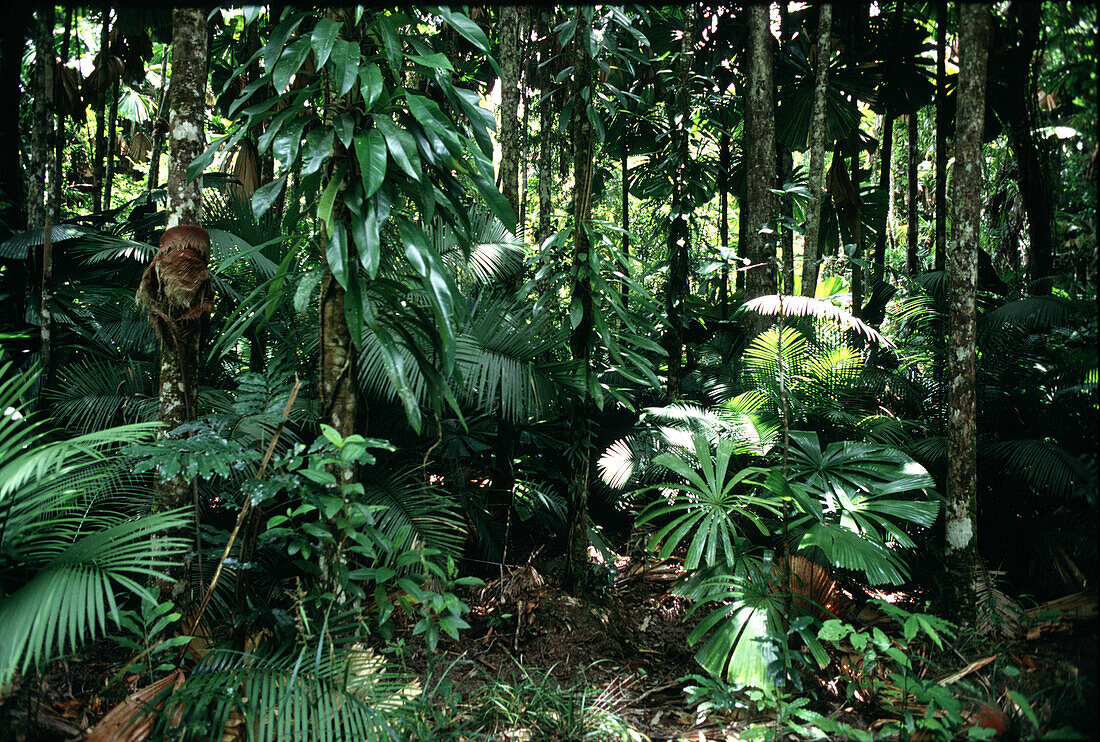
(941, 135)
(786, 213)
(41, 119)
(46, 138)
(525, 104)
(546, 126)
(625, 172)
(962, 268)
(12, 192)
(811, 248)
(112, 145)
(580, 449)
(678, 108)
(58, 176)
(856, 224)
(158, 129)
(886, 155)
(101, 109)
(759, 162)
(724, 220)
(912, 228)
(1033, 171)
(742, 242)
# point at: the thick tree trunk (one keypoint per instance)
(336, 383)
(101, 109)
(1033, 171)
(509, 105)
(941, 136)
(912, 220)
(962, 268)
(187, 100)
(811, 250)
(580, 448)
(886, 155)
(759, 162)
(678, 110)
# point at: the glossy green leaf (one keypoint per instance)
(344, 126)
(318, 148)
(323, 37)
(371, 85)
(391, 42)
(344, 65)
(285, 146)
(266, 195)
(401, 145)
(431, 117)
(274, 47)
(466, 27)
(336, 252)
(324, 206)
(289, 63)
(370, 149)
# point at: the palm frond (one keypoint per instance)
(1044, 465)
(415, 515)
(804, 306)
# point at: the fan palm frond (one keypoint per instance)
(804, 306)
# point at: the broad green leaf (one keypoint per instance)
(323, 37)
(365, 231)
(289, 63)
(353, 308)
(274, 47)
(371, 85)
(429, 115)
(305, 289)
(324, 206)
(285, 147)
(344, 126)
(344, 64)
(402, 146)
(370, 149)
(467, 28)
(337, 254)
(317, 150)
(433, 61)
(391, 41)
(266, 195)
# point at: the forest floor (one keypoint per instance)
(538, 664)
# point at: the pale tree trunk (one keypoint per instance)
(886, 156)
(811, 251)
(760, 278)
(912, 220)
(678, 108)
(786, 212)
(624, 170)
(580, 443)
(100, 109)
(941, 136)
(962, 268)
(186, 140)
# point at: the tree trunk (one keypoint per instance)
(912, 220)
(158, 129)
(100, 109)
(886, 155)
(625, 173)
(1033, 170)
(724, 221)
(811, 248)
(786, 215)
(12, 192)
(40, 117)
(678, 109)
(45, 140)
(962, 268)
(509, 105)
(759, 163)
(112, 145)
(580, 448)
(57, 172)
(941, 135)
(546, 126)
(856, 225)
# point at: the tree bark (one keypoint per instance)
(786, 214)
(811, 250)
(724, 220)
(886, 156)
(912, 220)
(42, 85)
(856, 225)
(580, 449)
(509, 105)
(12, 192)
(100, 108)
(759, 163)
(187, 96)
(962, 268)
(1033, 169)
(678, 109)
(625, 174)
(941, 135)
(112, 145)
(546, 126)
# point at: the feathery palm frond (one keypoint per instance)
(1046, 466)
(415, 515)
(804, 306)
(94, 395)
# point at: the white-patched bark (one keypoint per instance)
(187, 114)
(962, 267)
